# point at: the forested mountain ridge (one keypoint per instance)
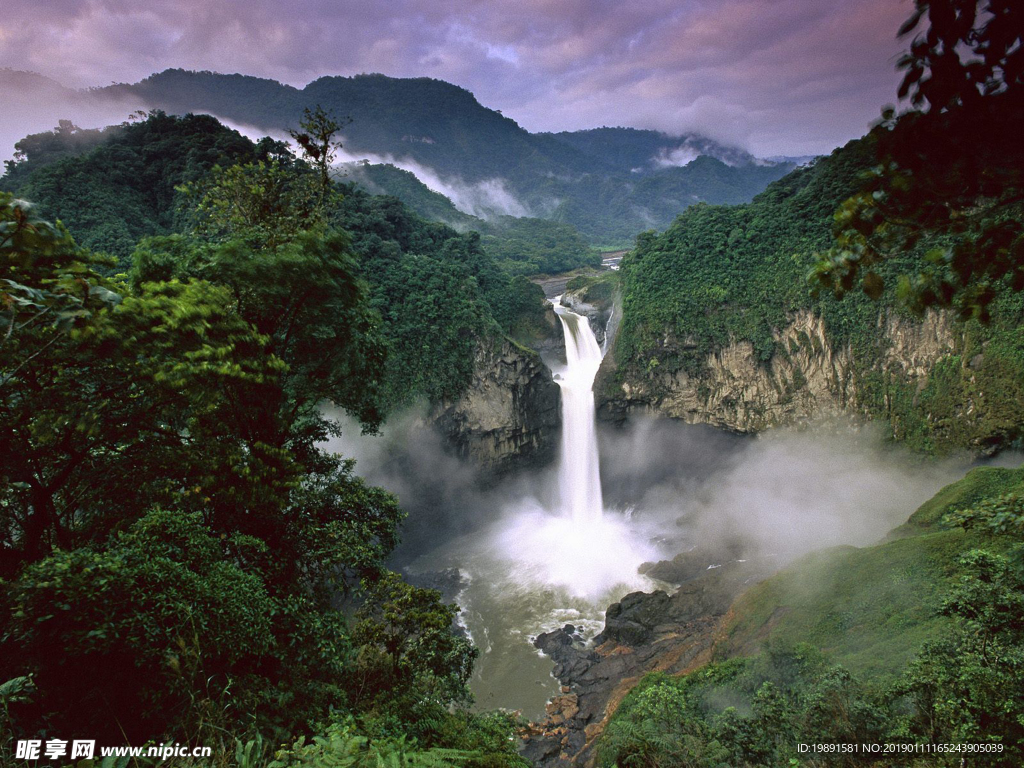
(722, 326)
(441, 300)
(443, 128)
(637, 150)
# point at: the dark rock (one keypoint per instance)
(509, 415)
(691, 564)
(549, 642)
(643, 632)
(631, 620)
(570, 657)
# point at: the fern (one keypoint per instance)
(341, 748)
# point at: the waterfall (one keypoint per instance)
(579, 472)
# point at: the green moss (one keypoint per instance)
(871, 608)
(980, 483)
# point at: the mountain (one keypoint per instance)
(610, 183)
(632, 150)
(721, 326)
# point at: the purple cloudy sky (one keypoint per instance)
(776, 76)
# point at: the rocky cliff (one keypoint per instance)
(807, 377)
(643, 633)
(597, 299)
(508, 417)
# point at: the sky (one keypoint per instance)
(773, 76)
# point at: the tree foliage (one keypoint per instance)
(316, 138)
(948, 174)
(439, 294)
(168, 519)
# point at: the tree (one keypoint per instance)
(316, 136)
(949, 176)
(93, 378)
(304, 297)
(266, 203)
(407, 648)
(164, 509)
(152, 628)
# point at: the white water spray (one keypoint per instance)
(538, 566)
(579, 472)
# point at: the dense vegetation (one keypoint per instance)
(722, 272)
(116, 186)
(522, 246)
(537, 246)
(437, 292)
(918, 640)
(905, 214)
(738, 273)
(570, 178)
(964, 75)
(923, 644)
(168, 520)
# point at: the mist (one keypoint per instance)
(784, 493)
(33, 104)
(518, 567)
(484, 199)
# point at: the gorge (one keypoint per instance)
(427, 438)
(686, 519)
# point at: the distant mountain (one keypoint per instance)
(634, 150)
(798, 160)
(610, 183)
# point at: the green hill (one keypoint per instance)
(725, 275)
(438, 291)
(913, 641)
(593, 180)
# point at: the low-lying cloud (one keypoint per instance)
(785, 492)
(484, 199)
(782, 77)
(33, 104)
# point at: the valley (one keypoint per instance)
(346, 421)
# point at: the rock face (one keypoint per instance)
(508, 417)
(643, 633)
(553, 342)
(598, 312)
(807, 378)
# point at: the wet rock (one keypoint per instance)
(631, 620)
(508, 417)
(597, 314)
(643, 632)
(571, 658)
(691, 564)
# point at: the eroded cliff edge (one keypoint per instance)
(508, 416)
(925, 377)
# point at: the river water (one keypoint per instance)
(538, 568)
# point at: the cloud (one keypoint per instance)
(33, 104)
(484, 199)
(781, 76)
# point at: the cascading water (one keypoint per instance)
(579, 473)
(541, 565)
